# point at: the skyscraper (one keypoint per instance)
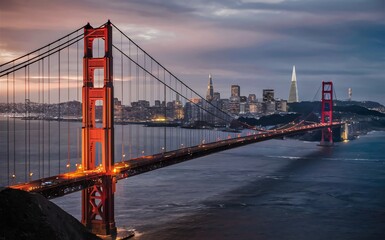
(210, 90)
(252, 98)
(217, 96)
(235, 91)
(234, 102)
(268, 95)
(293, 95)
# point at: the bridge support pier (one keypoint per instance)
(98, 207)
(327, 113)
(98, 201)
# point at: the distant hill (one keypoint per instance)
(304, 107)
(341, 107)
(358, 110)
(270, 120)
(311, 111)
(365, 104)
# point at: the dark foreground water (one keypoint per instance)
(271, 190)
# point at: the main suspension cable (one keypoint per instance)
(30, 53)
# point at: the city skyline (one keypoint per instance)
(327, 40)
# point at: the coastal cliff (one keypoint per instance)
(31, 216)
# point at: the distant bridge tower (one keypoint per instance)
(293, 95)
(327, 113)
(98, 201)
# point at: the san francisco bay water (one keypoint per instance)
(278, 189)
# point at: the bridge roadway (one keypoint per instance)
(56, 186)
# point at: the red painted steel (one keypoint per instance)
(327, 113)
(98, 201)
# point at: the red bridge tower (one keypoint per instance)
(327, 113)
(98, 201)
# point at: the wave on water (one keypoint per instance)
(275, 177)
(285, 157)
(354, 159)
(372, 132)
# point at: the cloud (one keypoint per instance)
(253, 42)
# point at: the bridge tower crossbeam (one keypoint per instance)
(98, 201)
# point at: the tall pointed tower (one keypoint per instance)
(293, 95)
(210, 90)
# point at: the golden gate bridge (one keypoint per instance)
(44, 154)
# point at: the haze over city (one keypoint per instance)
(252, 43)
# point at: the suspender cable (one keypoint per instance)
(192, 118)
(44, 117)
(152, 94)
(77, 72)
(188, 129)
(39, 120)
(25, 123)
(130, 97)
(59, 115)
(335, 94)
(68, 112)
(122, 103)
(137, 97)
(170, 130)
(165, 110)
(160, 107)
(29, 123)
(8, 167)
(176, 116)
(145, 98)
(179, 115)
(177, 140)
(49, 114)
(14, 125)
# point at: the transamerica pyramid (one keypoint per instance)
(293, 95)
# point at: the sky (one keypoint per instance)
(252, 43)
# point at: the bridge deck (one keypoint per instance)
(63, 184)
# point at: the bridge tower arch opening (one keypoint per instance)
(98, 200)
(327, 113)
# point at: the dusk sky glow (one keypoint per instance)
(252, 43)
